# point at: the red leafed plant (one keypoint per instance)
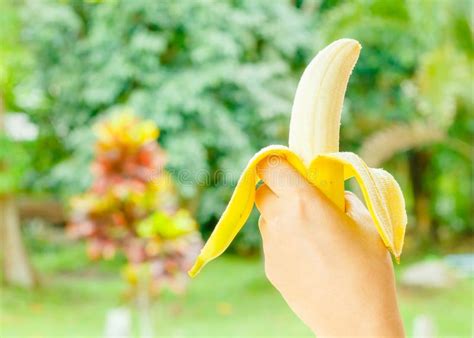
(132, 207)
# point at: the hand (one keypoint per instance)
(330, 266)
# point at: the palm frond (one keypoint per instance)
(384, 144)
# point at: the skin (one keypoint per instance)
(331, 267)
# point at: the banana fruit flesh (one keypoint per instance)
(314, 152)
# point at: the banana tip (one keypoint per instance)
(198, 265)
(356, 44)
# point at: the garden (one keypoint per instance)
(124, 128)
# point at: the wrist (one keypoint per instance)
(377, 317)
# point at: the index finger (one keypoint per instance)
(281, 177)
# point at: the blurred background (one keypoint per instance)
(124, 126)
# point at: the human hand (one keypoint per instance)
(330, 266)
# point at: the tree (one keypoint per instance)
(131, 208)
(217, 76)
(16, 266)
(412, 88)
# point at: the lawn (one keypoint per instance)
(231, 298)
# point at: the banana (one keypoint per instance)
(314, 152)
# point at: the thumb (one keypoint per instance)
(353, 203)
(357, 211)
(281, 177)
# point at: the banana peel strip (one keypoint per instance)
(381, 192)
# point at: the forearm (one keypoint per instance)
(331, 267)
(377, 316)
(385, 324)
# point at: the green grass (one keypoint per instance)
(231, 298)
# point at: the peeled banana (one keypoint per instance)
(314, 152)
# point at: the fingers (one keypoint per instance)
(357, 211)
(281, 177)
(262, 226)
(265, 201)
(267, 239)
(353, 203)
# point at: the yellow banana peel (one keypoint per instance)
(314, 152)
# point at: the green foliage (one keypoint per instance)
(402, 45)
(218, 77)
(13, 163)
(131, 207)
(414, 68)
(15, 59)
(167, 227)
